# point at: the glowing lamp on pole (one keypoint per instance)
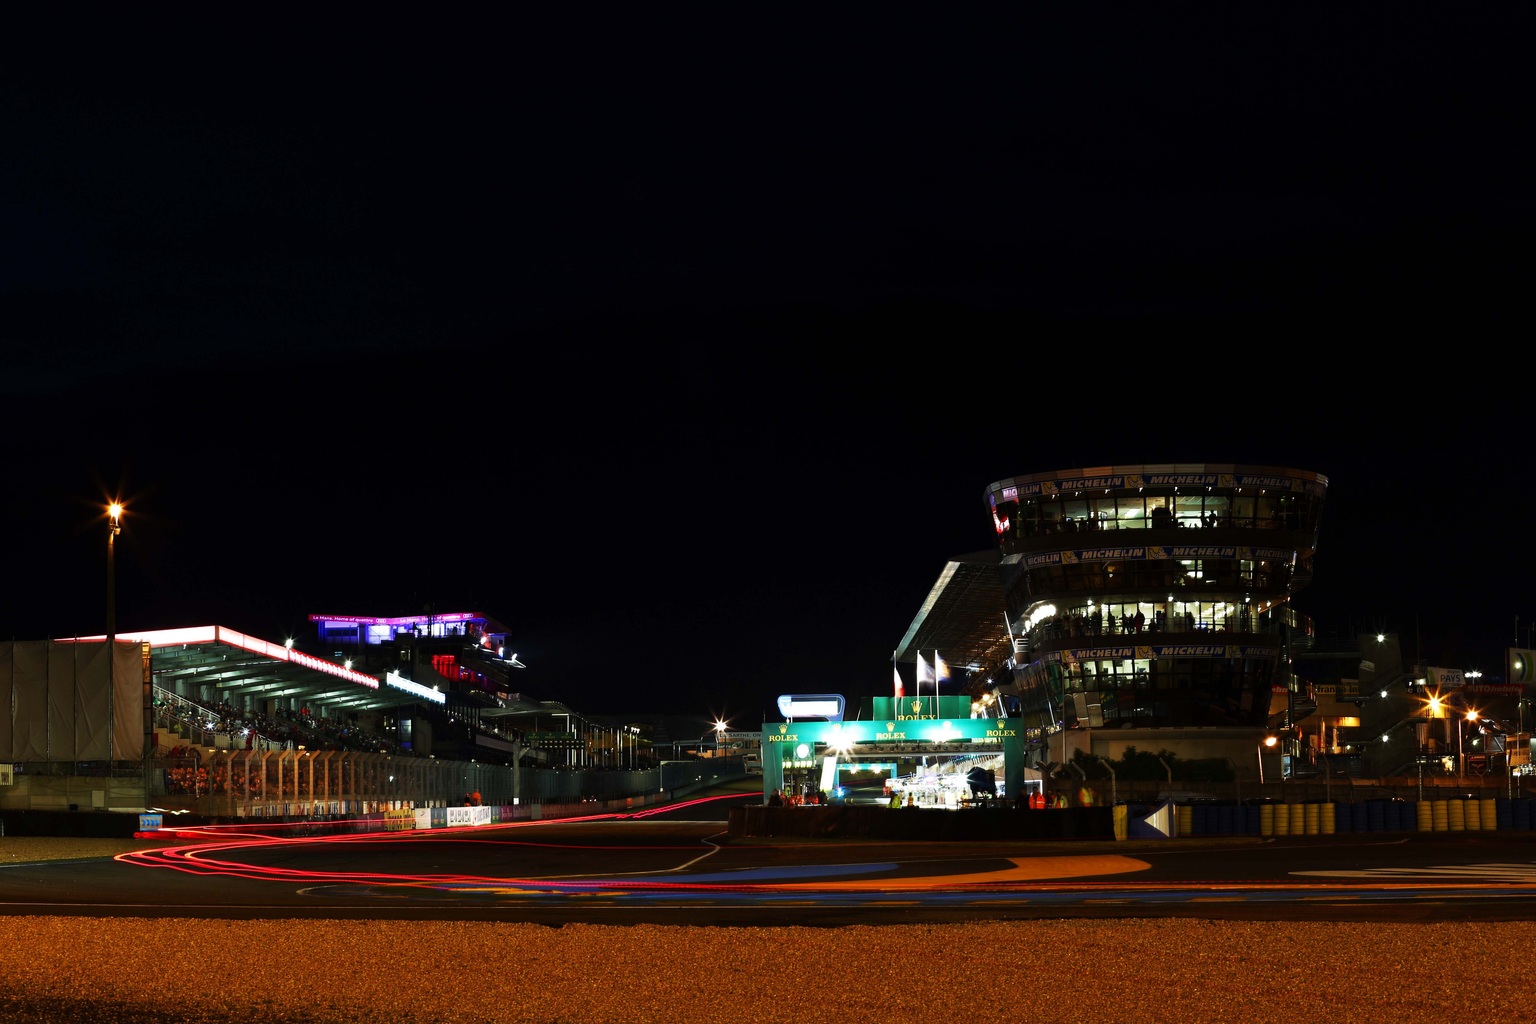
(114, 527)
(1268, 741)
(1461, 758)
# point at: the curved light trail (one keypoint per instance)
(215, 850)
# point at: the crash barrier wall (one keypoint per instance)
(1468, 814)
(288, 784)
(922, 823)
(76, 824)
(265, 783)
(1128, 821)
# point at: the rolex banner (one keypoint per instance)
(901, 709)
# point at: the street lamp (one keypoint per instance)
(114, 527)
(720, 727)
(1461, 758)
(1268, 741)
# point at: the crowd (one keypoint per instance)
(284, 730)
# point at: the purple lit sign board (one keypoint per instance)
(400, 620)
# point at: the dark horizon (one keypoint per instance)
(687, 346)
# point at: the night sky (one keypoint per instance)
(685, 343)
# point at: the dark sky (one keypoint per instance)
(686, 343)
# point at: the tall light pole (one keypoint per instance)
(1267, 741)
(1461, 757)
(114, 527)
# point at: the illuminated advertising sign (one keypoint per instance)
(811, 705)
(399, 682)
(1446, 679)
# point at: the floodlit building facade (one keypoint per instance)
(1148, 606)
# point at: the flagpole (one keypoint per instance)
(935, 682)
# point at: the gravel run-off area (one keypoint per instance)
(170, 970)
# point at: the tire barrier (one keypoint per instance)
(1440, 816)
(1344, 818)
(1461, 814)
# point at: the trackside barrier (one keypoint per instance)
(1133, 821)
(1466, 814)
(462, 817)
(1224, 820)
(1185, 821)
(1476, 813)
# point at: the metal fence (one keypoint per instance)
(298, 784)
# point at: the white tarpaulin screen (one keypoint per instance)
(128, 702)
(63, 687)
(6, 703)
(93, 704)
(29, 710)
(63, 706)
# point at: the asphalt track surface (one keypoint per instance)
(676, 865)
